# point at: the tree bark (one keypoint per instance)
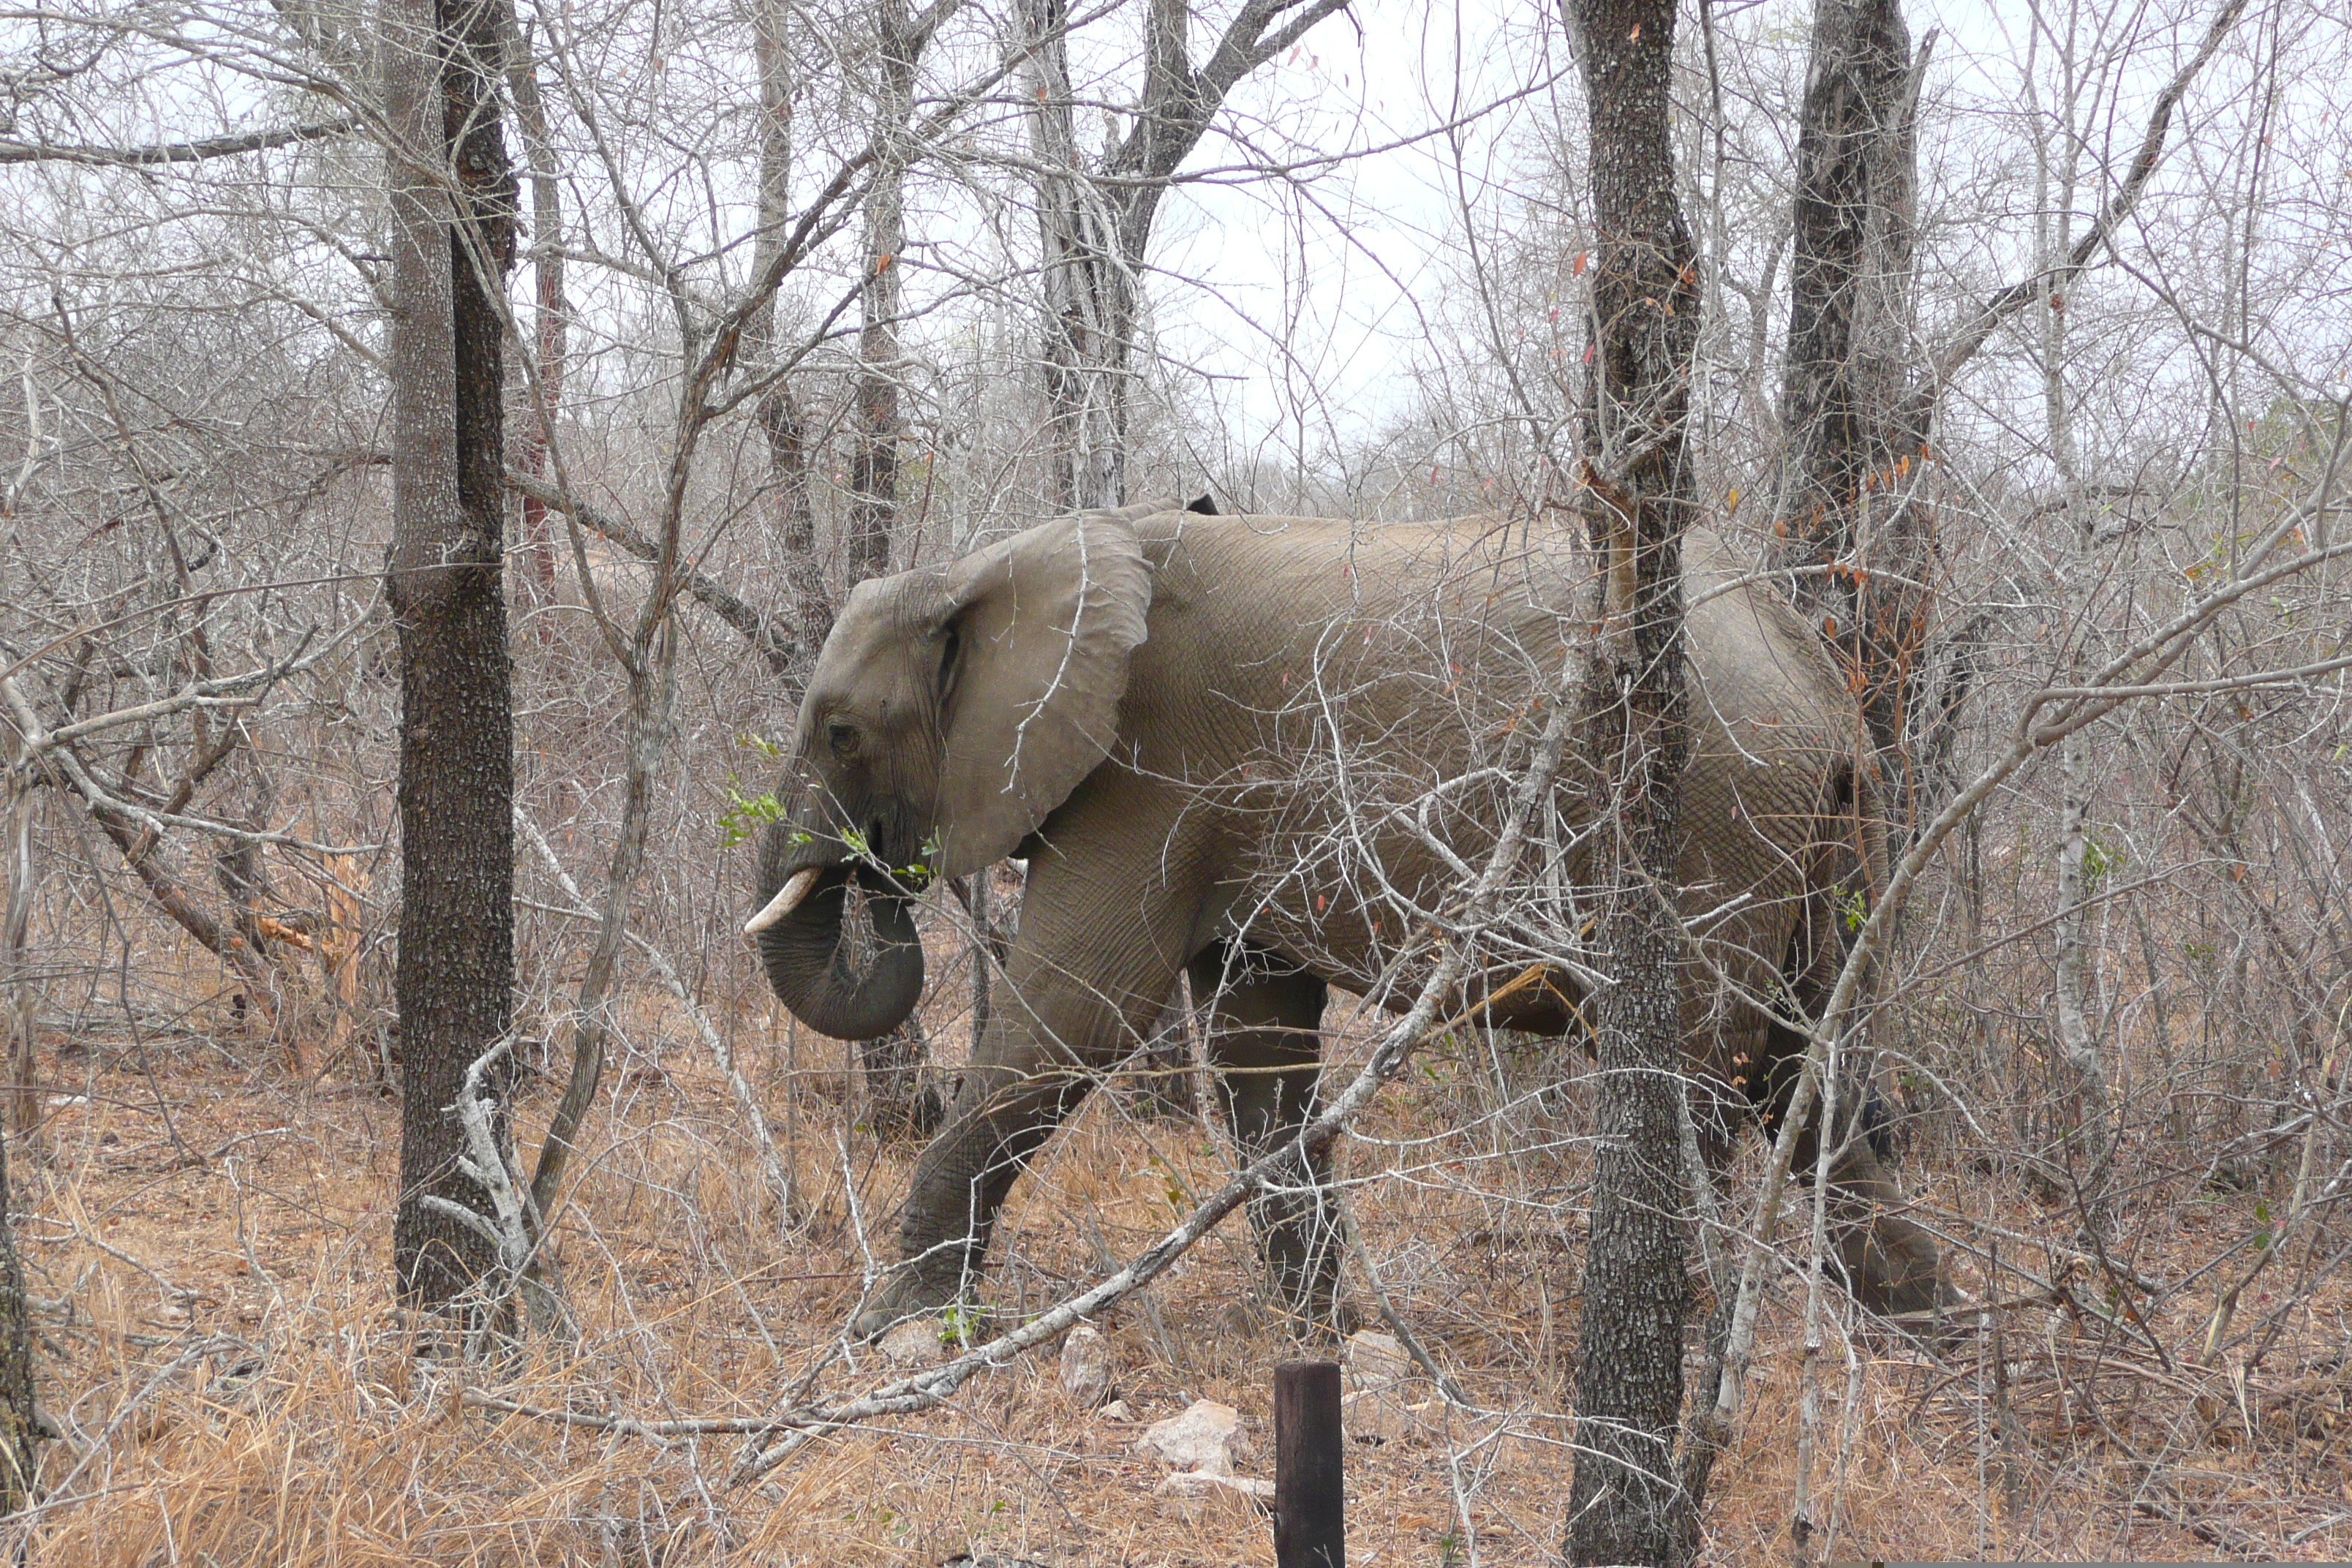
(22, 1002)
(2072, 1013)
(1844, 523)
(881, 422)
(1089, 309)
(1625, 1504)
(791, 511)
(20, 1430)
(893, 1064)
(454, 978)
(551, 314)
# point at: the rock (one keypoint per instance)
(1379, 1407)
(1207, 1438)
(911, 1341)
(1376, 1361)
(1116, 1410)
(1086, 1367)
(1199, 1483)
(1381, 1416)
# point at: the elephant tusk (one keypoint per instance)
(788, 899)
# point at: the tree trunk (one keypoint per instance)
(2090, 1129)
(20, 1431)
(22, 1002)
(896, 1101)
(1625, 1505)
(1096, 229)
(790, 511)
(551, 313)
(880, 423)
(1088, 298)
(1845, 521)
(455, 979)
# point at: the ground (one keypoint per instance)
(209, 1243)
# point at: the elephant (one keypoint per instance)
(1264, 751)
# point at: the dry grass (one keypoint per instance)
(238, 1388)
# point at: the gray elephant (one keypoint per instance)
(1264, 751)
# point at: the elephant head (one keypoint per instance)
(951, 708)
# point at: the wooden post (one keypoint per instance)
(1309, 1497)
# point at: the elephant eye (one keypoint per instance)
(842, 736)
(949, 645)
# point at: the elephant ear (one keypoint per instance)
(1036, 634)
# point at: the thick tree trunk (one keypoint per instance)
(1844, 521)
(1625, 1505)
(454, 983)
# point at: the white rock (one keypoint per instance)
(1117, 1410)
(912, 1339)
(1378, 1407)
(1376, 1361)
(1380, 1415)
(1207, 1438)
(1086, 1367)
(1200, 1483)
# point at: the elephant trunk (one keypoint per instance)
(848, 967)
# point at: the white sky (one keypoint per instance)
(1314, 297)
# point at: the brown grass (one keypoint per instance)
(238, 1387)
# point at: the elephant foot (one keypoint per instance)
(902, 1294)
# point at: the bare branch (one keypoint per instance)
(224, 146)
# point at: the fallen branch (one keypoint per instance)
(507, 1227)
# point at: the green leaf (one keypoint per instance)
(746, 814)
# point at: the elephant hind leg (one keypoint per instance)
(1264, 1042)
(1891, 1265)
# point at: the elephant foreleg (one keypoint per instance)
(1264, 1044)
(1002, 1114)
